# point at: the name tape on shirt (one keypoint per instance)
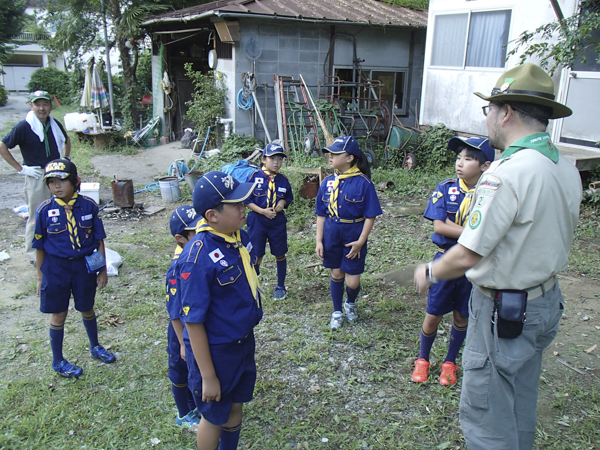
(87, 217)
(216, 255)
(282, 189)
(53, 212)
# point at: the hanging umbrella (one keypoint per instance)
(86, 96)
(98, 92)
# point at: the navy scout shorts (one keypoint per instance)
(449, 295)
(178, 371)
(262, 229)
(335, 237)
(60, 278)
(236, 370)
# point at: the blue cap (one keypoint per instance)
(184, 218)
(217, 187)
(273, 149)
(478, 143)
(344, 144)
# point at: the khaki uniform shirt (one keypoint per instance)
(522, 220)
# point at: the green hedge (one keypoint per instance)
(50, 79)
(3, 96)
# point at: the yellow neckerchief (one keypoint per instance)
(71, 222)
(178, 251)
(236, 241)
(271, 195)
(352, 172)
(463, 213)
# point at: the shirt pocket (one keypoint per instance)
(229, 276)
(57, 228)
(354, 198)
(86, 224)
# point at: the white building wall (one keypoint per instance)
(448, 92)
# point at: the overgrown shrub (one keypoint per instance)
(208, 100)
(3, 96)
(50, 79)
(434, 153)
(236, 146)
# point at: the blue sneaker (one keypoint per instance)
(280, 293)
(67, 370)
(99, 352)
(190, 420)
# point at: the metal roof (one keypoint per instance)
(367, 12)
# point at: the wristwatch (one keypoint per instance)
(67, 157)
(428, 274)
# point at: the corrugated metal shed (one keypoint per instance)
(368, 12)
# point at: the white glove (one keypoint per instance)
(35, 172)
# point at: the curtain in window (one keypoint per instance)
(488, 35)
(449, 40)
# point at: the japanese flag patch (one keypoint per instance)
(259, 180)
(330, 183)
(216, 255)
(53, 212)
(453, 190)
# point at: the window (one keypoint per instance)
(476, 39)
(394, 86)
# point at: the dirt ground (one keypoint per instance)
(572, 354)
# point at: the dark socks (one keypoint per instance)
(336, 287)
(281, 270)
(229, 438)
(91, 327)
(457, 337)
(182, 396)
(57, 334)
(352, 293)
(426, 344)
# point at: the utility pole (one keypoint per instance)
(108, 68)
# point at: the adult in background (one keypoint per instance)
(41, 139)
(517, 239)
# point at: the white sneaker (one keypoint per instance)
(337, 320)
(350, 310)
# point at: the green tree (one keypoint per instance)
(565, 42)
(412, 4)
(12, 21)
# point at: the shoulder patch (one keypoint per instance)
(475, 219)
(449, 180)
(489, 181)
(194, 251)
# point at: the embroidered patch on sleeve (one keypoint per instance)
(475, 219)
(435, 196)
(186, 275)
(186, 310)
(490, 182)
(173, 291)
(172, 281)
(38, 237)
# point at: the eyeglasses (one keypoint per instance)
(486, 108)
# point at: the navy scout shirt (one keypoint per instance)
(33, 151)
(444, 203)
(356, 198)
(52, 235)
(214, 289)
(283, 190)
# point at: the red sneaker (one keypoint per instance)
(421, 372)
(448, 375)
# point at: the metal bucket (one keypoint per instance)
(169, 188)
(192, 178)
(122, 191)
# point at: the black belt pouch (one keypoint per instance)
(509, 313)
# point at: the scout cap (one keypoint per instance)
(184, 218)
(273, 149)
(476, 142)
(36, 95)
(60, 168)
(217, 187)
(344, 144)
(527, 83)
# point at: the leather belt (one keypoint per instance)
(532, 292)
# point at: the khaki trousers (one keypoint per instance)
(36, 192)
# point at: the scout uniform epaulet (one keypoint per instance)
(194, 251)
(449, 180)
(44, 204)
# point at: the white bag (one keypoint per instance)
(113, 262)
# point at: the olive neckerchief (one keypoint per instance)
(538, 141)
(46, 143)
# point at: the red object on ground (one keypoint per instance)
(56, 101)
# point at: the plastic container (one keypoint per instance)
(169, 188)
(72, 121)
(122, 191)
(91, 190)
(87, 121)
